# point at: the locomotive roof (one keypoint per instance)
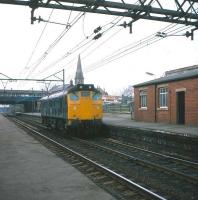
(55, 95)
(80, 87)
(69, 89)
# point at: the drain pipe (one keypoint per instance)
(155, 109)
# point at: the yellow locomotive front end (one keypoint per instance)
(84, 106)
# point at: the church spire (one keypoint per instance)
(79, 79)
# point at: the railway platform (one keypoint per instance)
(124, 120)
(30, 171)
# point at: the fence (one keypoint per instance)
(116, 108)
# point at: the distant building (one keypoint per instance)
(169, 99)
(109, 99)
(103, 91)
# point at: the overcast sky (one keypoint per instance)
(18, 39)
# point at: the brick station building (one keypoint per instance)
(169, 99)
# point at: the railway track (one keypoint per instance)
(117, 143)
(115, 183)
(171, 177)
(169, 182)
(178, 167)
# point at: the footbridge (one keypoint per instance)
(20, 96)
(29, 98)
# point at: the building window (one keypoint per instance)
(143, 99)
(163, 97)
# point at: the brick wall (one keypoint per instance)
(142, 114)
(191, 100)
(169, 115)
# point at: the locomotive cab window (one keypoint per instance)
(96, 96)
(85, 93)
(74, 97)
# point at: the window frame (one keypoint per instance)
(163, 97)
(143, 99)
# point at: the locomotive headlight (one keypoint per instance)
(74, 108)
(98, 107)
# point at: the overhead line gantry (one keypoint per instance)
(184, 11)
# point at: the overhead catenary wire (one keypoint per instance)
(89, 39)
(144, 42)
(83, 26)
(124, 53)
(38, 40)
(135, 47)
(110, 37)
(71, 51)
(53, 44)
(91, 51)
(111, 58)
(23, 71)
(37, 43)
(90, 45)
(102, 43)
(43, 57)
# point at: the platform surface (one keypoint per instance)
(125, 120)
(29, 171)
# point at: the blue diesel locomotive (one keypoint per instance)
(77, 107)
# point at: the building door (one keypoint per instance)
(181, 107)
